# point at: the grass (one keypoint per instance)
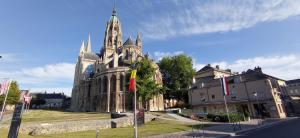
(156, 127)
(58, 116)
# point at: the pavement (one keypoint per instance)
(286, 129)
(224, 130)
(183, 119)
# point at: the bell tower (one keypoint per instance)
(113, 35)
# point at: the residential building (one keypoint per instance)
(252, 93)
(49, 100)
(293, 88)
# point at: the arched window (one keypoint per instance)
(113, 83)
(127, 81)
(105, 82)
(113, 93)
(100, 85)
(127, 54)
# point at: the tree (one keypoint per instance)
(13, 96)
(147, 87)
(177, 73)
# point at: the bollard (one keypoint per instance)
(97, 133)
(193, 133)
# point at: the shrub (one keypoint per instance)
(234, 117)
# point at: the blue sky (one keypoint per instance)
(40, 40)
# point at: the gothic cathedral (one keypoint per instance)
(101, 79)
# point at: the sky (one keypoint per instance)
(40, 40)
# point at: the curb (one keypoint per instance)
(251, 130)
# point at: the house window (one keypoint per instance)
(291, 91)
(212, 96)
(205, 109)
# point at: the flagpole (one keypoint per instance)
(226, 108)
(134, 116)
(3, 106)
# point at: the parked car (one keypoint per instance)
(199, 116)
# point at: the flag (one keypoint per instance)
(224, 86)
(132, 82)
(27, 99)
(4, 87)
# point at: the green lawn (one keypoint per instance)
(152, 128)
(57, 116)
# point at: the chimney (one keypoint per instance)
(258, 69)
(228, 70)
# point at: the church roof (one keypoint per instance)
(128, 42)
(92, 56)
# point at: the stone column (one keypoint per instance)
(124, 92)
(108, 93)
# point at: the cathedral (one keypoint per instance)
(101, 79)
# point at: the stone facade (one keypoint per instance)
(251, 93)
(101, 79)
(293, 104)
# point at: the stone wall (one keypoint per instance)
(74, 126)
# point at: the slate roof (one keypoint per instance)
(129, 42)
(209, 67)
(92, 56)
(293, 81)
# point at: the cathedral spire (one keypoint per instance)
(114, 9)
(138, 41)
(82, 48)
(89, 45)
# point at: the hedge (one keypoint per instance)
(234, 117)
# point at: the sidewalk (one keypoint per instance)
(226, 129)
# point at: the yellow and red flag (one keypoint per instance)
(132, 82)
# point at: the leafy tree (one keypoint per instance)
(147, 87)
(13, 94)
(177, 72)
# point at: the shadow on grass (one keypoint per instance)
(68, 111)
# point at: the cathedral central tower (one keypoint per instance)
(113, 35)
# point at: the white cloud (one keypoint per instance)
(52, 75)
(285, 67)
(159, 55)
(198, 17)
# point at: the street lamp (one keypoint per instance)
(258, 108)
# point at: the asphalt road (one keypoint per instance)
(290, 129)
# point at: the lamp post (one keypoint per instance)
(258, 107)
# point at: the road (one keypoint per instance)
(288, 129)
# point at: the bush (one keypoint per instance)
(234, 117)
